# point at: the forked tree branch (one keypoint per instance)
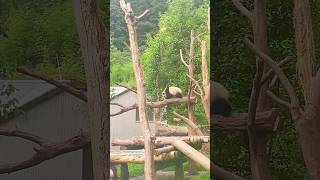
(24, 135)
(284, 80)
(157, 104)
(46, 151)
(142, 15)
(189, 123)
(182, 60)
(269, 74)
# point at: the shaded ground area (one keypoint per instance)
(168, 175)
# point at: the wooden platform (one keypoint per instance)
(137, 156)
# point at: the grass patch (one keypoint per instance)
(204, 176)
(135, 170)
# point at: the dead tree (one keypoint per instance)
(305, 116)
(305, 119)
(94, 47)
(191, 116)
(259, 100)
(131, 20)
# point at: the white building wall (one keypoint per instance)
(125, 126)
(56, 119)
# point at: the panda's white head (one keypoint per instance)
(172, 92)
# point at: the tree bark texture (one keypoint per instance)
(94, 47)
(258, 140)
(131, 20)
(307, 124)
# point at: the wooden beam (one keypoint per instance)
(193, 154)
(266, 121)
(138, 156)
(160, 140)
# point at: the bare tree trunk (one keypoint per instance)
(307, 125)
(131, 20)
(158, 111)
(192, 165)
(258, 140)
(94, 47)
(304, 45)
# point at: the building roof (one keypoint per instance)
(117, 91)
(28, 91)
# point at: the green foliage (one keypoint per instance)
(135, 169)
(204, 176)
(118, 26)
(44, 37)
(161, 59)
(121, 67)
(8, 104)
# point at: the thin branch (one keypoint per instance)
(277, 99)
(284, 80)
(126, 44)
(197, 84)
(156, 104)
(142, 15)
(117, 104)
(126, 87)
(268, 75)
(197, 93)
(182, 60)
(189, 123)
(124, 109)
(24, 135)
(73, 91)
(273, 82)
(243, 10)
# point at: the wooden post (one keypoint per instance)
(179, 172)
(124, 172)
(87, 171)
(115, 173)
(131, 20)
(191, 153)
(94, 42)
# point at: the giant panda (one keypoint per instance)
(219, 100)
(172, 92)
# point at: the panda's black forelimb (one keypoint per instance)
(178, 95)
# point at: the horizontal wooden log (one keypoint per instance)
(160, 140)
(138, 156)
(193, 154)
(171, 131)
(266, 121)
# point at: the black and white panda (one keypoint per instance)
(219, 100)
(172, 92)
